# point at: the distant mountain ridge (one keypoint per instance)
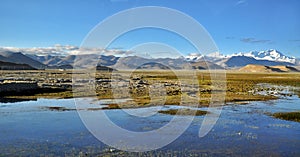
(192, 61)
(81, 60)
(269, 58)
(269, 55)
(239, 61)
(20, 58)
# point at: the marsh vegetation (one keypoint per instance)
(150, 88)
(184, 112)
(292, 116)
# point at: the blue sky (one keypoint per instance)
(235, 25)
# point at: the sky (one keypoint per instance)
(234, 25)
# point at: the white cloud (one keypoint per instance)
(62, 50)
(241, 2)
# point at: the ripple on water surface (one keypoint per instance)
(29, 129)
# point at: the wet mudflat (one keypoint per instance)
(41, 128)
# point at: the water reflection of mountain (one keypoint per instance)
(14, 100)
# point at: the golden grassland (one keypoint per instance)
(234, 88)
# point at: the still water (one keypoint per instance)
(30, 128)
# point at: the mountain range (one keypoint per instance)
(196, 61)
(252, 56)
(20, 58)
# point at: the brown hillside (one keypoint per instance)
(285, 68)
(262, 68)
(255, 68)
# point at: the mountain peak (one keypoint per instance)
(194, 56)
(271, 55)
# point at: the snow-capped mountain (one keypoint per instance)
(209, 57)
(198, 61)
(271, 55)
(194, 57)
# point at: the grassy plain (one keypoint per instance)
(175, 85)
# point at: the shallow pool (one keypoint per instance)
(28, 128)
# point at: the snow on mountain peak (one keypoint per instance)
(198, 56)
(271, 55)
(194, 56)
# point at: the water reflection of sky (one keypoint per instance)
(29, 129)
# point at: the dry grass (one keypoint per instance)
(111, 106)
(238, 85)
(292, 116)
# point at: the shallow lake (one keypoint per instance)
(29, 128)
